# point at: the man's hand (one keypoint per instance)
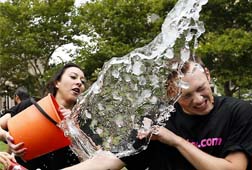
(159, 133)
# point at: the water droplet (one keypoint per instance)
(137, 68)
(184, 54)
(182, 84)
(115, 73)
(189, 36)
(169, 53)
(175, 66)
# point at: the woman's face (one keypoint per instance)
(70, 86)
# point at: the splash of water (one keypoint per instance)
(130, 88)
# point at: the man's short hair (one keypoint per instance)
(22, 93)
(172, 89)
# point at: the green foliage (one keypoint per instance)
(219, 15)
(232, 49)
(118, 27)
(226, 47)
(3, 146)
(31, 30)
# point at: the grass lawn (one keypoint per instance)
(3, 146)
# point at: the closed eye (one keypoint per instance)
(73, 77)
(186, 96)
(201, 88)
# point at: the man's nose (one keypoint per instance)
(198, 98)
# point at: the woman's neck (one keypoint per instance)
(63, 103)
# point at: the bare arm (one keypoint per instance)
(3, 134)
(4, 119)
(3, 126)
(199, 159)
(99, 162)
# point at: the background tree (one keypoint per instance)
(226, 46)
(118, 27)
(31, 30)
(121, 26)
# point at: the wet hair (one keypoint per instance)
(22, 93)
(50, 87)
(173, 77)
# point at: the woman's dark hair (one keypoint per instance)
(50, 87)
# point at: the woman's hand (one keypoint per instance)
(17, 149)
(5, 160)
(65, 112)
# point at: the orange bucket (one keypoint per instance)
(37, 130)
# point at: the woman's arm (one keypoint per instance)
(4, 119)
(101, 161)
(3, 126)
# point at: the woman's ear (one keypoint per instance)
(56, 84)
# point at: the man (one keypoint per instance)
(21, 99)
(205, 132)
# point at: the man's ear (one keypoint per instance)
(207, 74)
(16, 99)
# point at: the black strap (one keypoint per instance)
(43, 112)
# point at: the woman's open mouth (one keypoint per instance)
(76, 91)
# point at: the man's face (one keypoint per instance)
(16, 99)
(198, 98)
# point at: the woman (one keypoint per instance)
(66, 85)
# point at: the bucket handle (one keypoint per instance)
(43, 112)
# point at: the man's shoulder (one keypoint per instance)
(229, 100)
(12, 110)
(233, 105)
(20, 107)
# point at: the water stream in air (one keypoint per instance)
(129, 94)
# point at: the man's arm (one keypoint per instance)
(202, 160)
(198, 158)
